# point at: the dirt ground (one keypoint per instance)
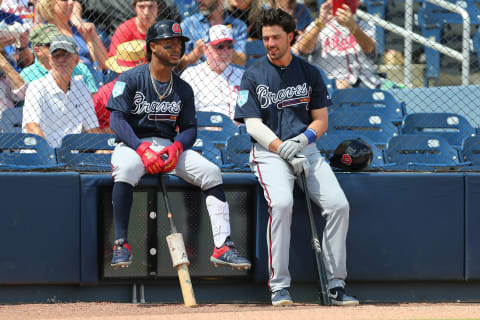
(121, 311)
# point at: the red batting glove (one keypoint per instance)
(174, 151)
(151, 160)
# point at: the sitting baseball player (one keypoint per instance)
(148, 104)
(283, 101)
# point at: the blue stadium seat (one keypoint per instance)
(237, 152)
(421, 152)
(378, 8)
(215, 127)
(451, 126)
(372, 126)
(208, 149)
(328, 142)
(26, 151)
(370, 101)
(11, 120)
(254, 49)
(79, 151)
(471, 152)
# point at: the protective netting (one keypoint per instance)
(417, 112)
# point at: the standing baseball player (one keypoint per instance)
(147, 105)
(283, 101)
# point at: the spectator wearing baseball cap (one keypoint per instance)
(216, 89)
(59, 104)
(40, 38)
(128, 55)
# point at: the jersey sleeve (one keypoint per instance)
(319, 97)
(187, 117)
(247, 105)
(122, 95)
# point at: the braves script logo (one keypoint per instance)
(289, 96)
(347, 159)
(176, 28)
(142, 106)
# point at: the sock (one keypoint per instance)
(217, 192)
(122, 198)
(219, 219)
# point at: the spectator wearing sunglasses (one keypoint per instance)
(40, 39)
(215, 82)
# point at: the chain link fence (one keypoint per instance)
(429, 123)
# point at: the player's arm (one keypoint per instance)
(262, 134)
(320, 121)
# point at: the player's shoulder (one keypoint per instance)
(181, 86)
(134, 73)
(305, 66)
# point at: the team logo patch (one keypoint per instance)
(176, 28)
(242, 98)
(346, 159)
(118, 88)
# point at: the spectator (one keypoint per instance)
(298, 11)
(247, 11)
(212, 12)
(129, 54)
(21, 8)
(215, 82)
(59, 13)
(12, 86)
(40, 39)
(58, 104)
(19, 56)
(342, 46)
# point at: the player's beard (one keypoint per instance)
(164, 60)
(281, 51)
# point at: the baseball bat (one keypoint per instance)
(317, 249)
(176, 246)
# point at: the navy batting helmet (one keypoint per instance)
(164, 29)
(352, 155)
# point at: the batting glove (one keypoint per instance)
(152, 162)
(173, 151)
(288, 149)
(300, 164)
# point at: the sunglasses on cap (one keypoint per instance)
(222, 46)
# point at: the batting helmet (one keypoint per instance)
(162, 30)
(352, 155)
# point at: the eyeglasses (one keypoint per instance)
(222, 46)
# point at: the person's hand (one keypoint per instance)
(300, 164)
(173, 151)
(6, 41)
(288, 149)
(325, 14)
(345, 18)
(23, 39)
(199, 48)
(87, 29)
(153, 163)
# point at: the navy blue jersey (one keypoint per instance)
(281, 96)
(134, 95)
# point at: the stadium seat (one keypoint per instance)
(11, 120)
(254, 50)
(26, 151)
(421, 152)
(451, 126)
(208, 149)
(378, 8)
(471, 152)
(328, 142)
(370, 125)
(215, 127)
(237, 152)
(80, 151)
(370, 100)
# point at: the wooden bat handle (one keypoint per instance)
(186, 286)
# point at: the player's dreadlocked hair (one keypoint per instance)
(273, 17)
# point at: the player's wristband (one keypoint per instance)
(311, 135)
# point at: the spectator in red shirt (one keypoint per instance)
(129, 54)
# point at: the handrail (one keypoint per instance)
(463, 57)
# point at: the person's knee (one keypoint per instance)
(283, 203)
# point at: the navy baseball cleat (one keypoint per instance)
(281, 298)
(227, 255)
(122, 254)
(340, 298)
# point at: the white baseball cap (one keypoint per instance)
(219, 33)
